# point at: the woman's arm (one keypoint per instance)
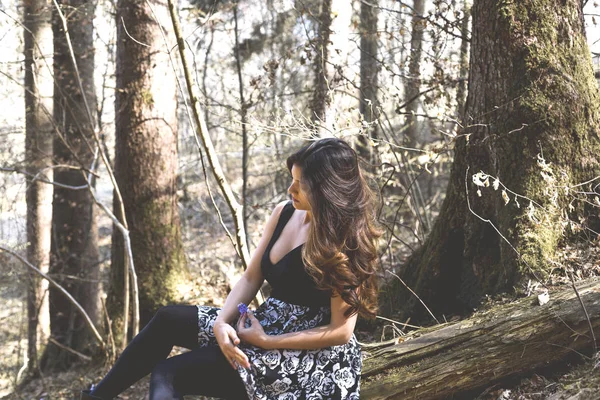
(243, 292)
(246, 288)
(337, 332)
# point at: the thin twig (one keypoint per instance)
(70, 350)
(111, 337)
(568, 348)
(398, 323)
(61, 289)
(587, 316)
(131, 37)
(129, 258)
(424, 305)
(37, 177)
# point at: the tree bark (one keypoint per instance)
(320, 99)
(38, 148)
(74, 256)
(413, 82)
(146, 159)
(491, 346)
(369, 70)
(461, 91)
(531, 97)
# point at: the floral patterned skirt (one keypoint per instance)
(326, 373)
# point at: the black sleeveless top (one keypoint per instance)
(288, 279)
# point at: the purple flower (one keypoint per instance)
(242, 308)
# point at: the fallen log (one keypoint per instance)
(494, 345)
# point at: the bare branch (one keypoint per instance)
(202, 132)
(410, 290)
(587, 316)
(37, 177)
(61, 289)
(70, 350)
(131, 37)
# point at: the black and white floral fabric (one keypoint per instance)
(326, 373)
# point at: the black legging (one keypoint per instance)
(201, 371)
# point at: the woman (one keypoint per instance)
(318, 252)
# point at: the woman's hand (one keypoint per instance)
(254, 334)
(228, 340)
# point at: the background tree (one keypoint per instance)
(369, 69)
(320, 97)
(38, 153)
(146, 158)
(74, 257)
(243, 119)
(525, 127)
(461, 92)
(413, 81)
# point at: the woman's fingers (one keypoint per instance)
(232, 355)
(229, 354)
(242, 321)
(233, 336)
(226, 339)
(236, 357)
(232, 363)
(235, 339)
(242, 358)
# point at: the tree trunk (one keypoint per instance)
(244, 120)
(532, 97)
(146, 159)
(38, 148)
(413, 82)
(74, 257)
(369, 69)
(461, 91)
(491, 346)
(320, 99)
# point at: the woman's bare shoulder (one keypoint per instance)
(272, 220)
(274, 217)
(277, 209)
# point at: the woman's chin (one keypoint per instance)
(299, 206)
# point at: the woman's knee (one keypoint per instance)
(162, 372)
(161, 382)
(172, 314)
(177, 324)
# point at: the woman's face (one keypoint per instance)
(298, 191)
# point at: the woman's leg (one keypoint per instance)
(170, 326)
(202, 371)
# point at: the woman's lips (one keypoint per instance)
(294, 200)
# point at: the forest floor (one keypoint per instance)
(578, 379)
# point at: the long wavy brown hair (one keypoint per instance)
(341, 250)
